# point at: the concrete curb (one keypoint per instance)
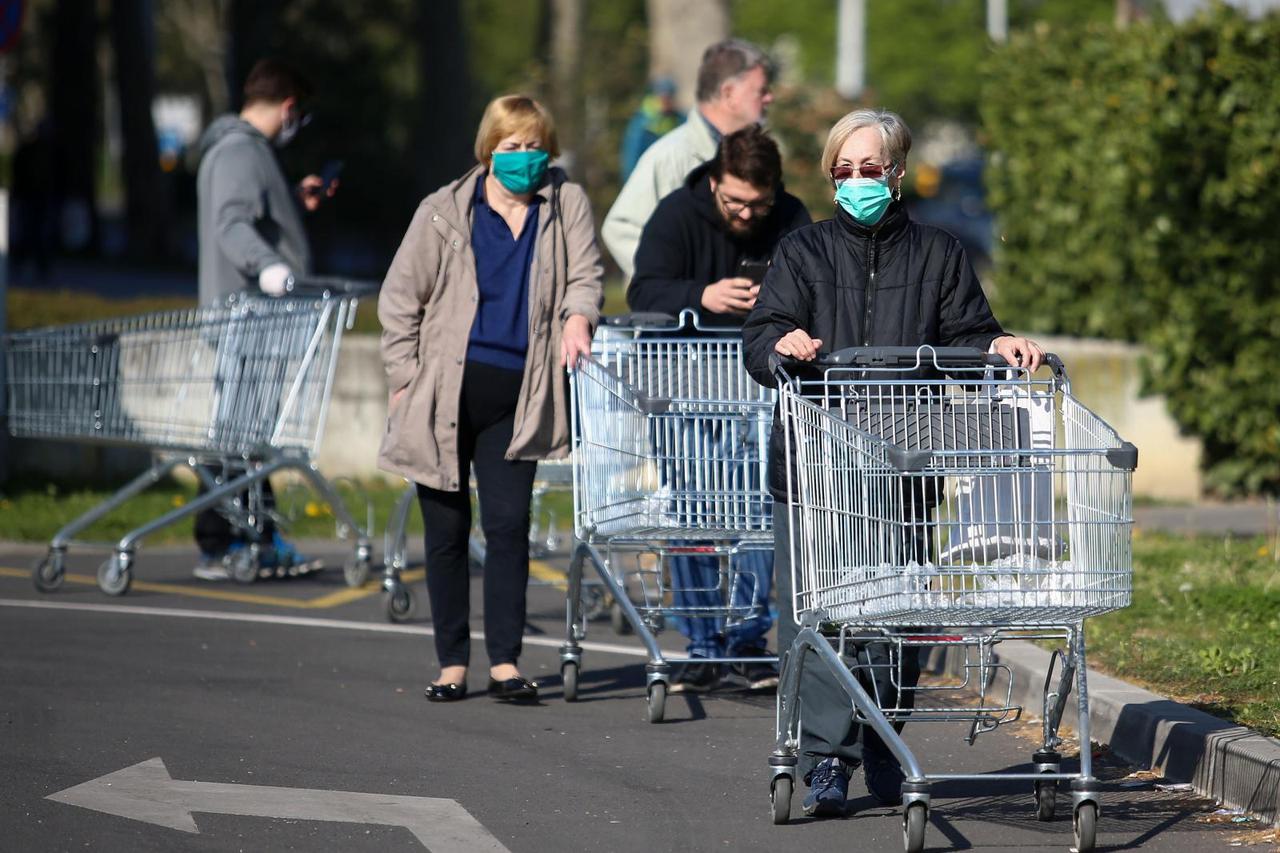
(1232, 764)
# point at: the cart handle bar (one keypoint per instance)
(657, 321)
(911, 358)
(323, 285)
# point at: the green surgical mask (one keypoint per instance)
(520, 171)
(865, 199)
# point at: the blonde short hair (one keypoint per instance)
(894, 133)
(515, 114)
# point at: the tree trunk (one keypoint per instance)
(566, 85)
(250, 24)
(73, 106)
(679, 32)
(446, 125)
(133, 43)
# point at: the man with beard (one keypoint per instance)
(706, 247)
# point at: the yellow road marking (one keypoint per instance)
(548, 573)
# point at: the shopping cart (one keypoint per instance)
(938, 487)
(545, 537)
(668, 460)
(235, 393)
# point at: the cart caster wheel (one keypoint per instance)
(49, 572)
(356, 570)
(657, 701)
(113, 576)
(593, 605)
(400, 604)
(618, 619)
(1086, 826)
(781, 798)
(914, 820)
(569, 675)
(1046, 799)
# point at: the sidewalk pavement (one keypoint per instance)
(1249, 518)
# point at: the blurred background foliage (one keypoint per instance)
(1135, 176)
(1126, 175)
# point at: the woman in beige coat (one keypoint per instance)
(494, 290)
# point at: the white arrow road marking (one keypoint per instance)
(147, 792)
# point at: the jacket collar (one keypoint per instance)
(454, 200)
(889, 229)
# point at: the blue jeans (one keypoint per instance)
(734, 452)
(695, 584)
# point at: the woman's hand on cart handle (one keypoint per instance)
(1019, 351)
(575, 341)
(798, 345)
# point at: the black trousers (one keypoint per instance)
(827, 727)
(214, 533)
(486, 417)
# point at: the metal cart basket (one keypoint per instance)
(939, 488)
(241, 388)
(669, 434)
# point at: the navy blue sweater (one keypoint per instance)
(500, 334)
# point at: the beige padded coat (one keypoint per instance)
(428, 304)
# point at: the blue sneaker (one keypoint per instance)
(284, 558)
(828, 789)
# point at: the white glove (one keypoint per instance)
(274, 278)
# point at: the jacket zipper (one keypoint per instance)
(871, 291)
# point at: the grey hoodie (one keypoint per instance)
(249, 216)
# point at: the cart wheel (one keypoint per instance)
(569, 675)
(657, 701)
(914, 820)
(780, 794)
(400, 604)
(1046, 799)
(245, 563)
(49, 571)
(593, 605)
(356, 570)
(618, 619)
(113, 577)
(1086, 826)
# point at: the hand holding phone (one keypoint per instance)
(753, 270)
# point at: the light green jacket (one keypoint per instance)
(661, 171)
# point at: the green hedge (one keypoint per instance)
(1135, 176)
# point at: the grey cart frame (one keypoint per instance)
(938, 487)
(242, 389)
(669, 436)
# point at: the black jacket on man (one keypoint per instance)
(687, 245)
(898, 283)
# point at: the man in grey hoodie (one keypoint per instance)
(252, 238)
(250, 218)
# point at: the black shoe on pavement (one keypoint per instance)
(696, 678)
(884, 779)
(760, 675)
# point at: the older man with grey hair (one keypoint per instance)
(733, 92)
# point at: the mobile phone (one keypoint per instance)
(753, 270)
(329, 173)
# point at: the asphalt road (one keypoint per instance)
(301, 687)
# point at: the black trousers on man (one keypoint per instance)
(486, 418)
(827, 726)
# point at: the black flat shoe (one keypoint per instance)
(516, 689)
(446, 692)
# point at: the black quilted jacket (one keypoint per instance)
(899, 283)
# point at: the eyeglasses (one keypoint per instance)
(734, 207)
(866, 170)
